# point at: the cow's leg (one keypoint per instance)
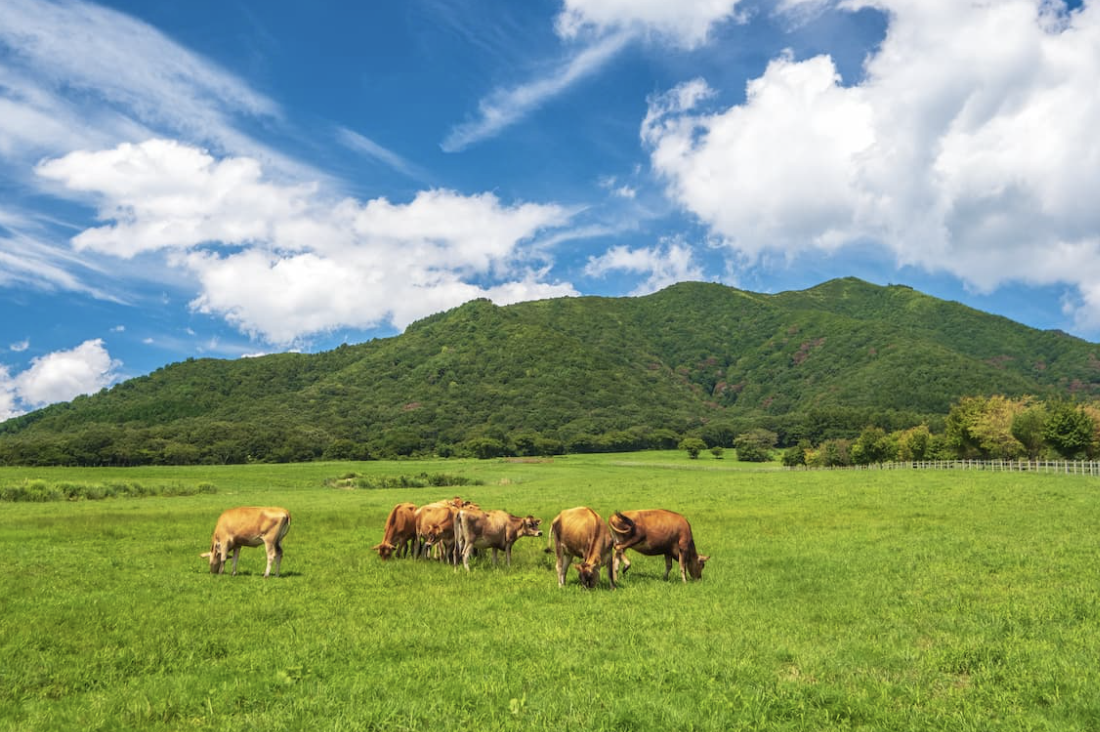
(620, 562)
(236, 556)
(466, 552)
(495, 561)
(269, 548)
(668, 565)
(562, 566)
(278, 556)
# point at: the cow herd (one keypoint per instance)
(453, 529)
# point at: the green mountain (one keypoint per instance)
(586, 373)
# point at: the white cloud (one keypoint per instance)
(76, 75)
(299, 264)
(366, 146)
(598, 30)
(968, 147)
(8, 408)
(56, 377)
(20, 346)
(163, 194)
(662, 266)
(686, 23)
(504, 107)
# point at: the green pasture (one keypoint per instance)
(871, 600)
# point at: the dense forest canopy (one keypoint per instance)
(578, 375)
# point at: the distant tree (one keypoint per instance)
(717, 451)
(401, 442)
(663, 438)
(873, 446)
(484, 448)
(982, 427)
(1027, 428)
(345, 449)
(693, 446)
(1068, 430)
(755, 446)
(1093, 412)
(794, 456)
(831, 454)
(961, 425)
(914, 443)
(718, 434)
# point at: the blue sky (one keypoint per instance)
(235, 177)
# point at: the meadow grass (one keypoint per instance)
(901, 600)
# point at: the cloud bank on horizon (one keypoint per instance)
(141, 170)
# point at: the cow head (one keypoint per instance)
(215, 557)
(385, 550)
(695, 566)
(589, 574)
(530, 526)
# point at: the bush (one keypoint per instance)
(693, 446)
(41, 491)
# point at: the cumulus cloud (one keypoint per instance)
(664, 265)
(282, 262)
(686, 23)
(8, 407)
(968, 147)
(56, 377)
(163, 194)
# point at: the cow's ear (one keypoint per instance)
(703, 559)
(206, 555)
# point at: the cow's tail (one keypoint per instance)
(554, 534)
(621, 524)
(462, 533)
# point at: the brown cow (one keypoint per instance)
(435, 526)
(656, 532)
(399, 533)
(496, 530)
(248, 526)
(580, 532)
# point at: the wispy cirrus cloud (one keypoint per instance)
(366, 146)
(504, 107)
(75, 75)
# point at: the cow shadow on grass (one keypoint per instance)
(250, 573)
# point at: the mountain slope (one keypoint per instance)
(584, 373)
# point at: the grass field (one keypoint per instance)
(903, 600)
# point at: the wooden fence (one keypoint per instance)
(1067, 467)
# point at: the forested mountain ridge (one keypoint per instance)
(580, 373)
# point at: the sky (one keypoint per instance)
(229, 178)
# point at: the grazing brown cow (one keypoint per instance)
(435, 526)
(580, 532)
(496, 530)
(656, 532)
(399, 533)
(248, 526)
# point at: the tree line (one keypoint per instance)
(978, 427)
